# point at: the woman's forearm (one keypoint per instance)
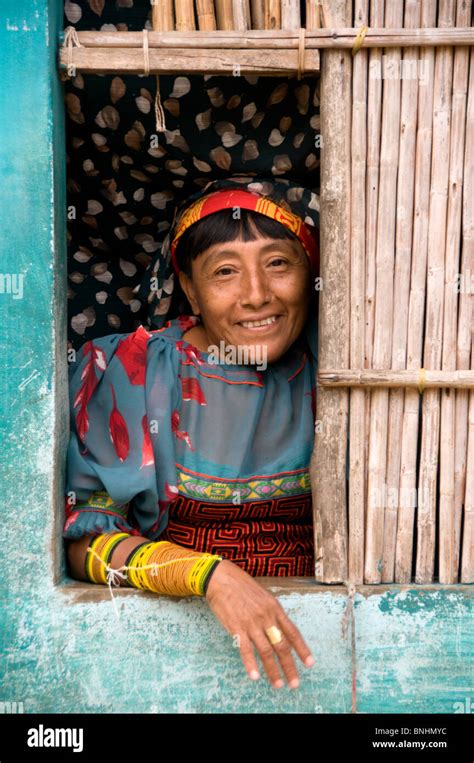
(182, 571)
(77, 551)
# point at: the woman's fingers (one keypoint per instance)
(272, 656)
(248, 657)
(267, 655)
(295, 638)
(283, 651)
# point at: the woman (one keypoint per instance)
(190, 471)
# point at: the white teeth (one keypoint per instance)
(266, 322)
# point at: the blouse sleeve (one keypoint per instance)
(110, 459)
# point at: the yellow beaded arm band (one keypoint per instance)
(158, 566)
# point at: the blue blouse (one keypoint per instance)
(154, 421)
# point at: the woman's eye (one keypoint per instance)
(223, 271)
(278, 261)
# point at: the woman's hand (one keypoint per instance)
(246, 610)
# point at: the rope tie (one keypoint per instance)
(71, 40)
(114, 577)
(301, 51)
(359, 39)
(422, 380)
(146, 56)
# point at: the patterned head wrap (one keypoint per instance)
(292, 205)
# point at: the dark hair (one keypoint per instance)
(220, 228)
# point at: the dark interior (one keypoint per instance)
(124, 178)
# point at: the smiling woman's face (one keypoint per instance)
(237, 285)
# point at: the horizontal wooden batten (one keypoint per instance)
(377, 378)
(259, 52)
(279, 39)
(129, 60)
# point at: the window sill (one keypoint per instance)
(78, 592)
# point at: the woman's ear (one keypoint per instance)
(187, 286)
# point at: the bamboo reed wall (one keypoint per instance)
(395, 394)
(397, 303)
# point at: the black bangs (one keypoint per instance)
(222, 227)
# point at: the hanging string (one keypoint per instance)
(159, 113)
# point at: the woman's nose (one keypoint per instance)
(255, 290)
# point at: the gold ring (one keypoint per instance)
(274, 634)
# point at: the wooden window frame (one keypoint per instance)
(336, 500)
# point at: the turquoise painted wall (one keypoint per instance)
(64, 646)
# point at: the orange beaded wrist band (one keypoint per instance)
(165, 567)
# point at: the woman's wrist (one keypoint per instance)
(218, 574)
(210, 575)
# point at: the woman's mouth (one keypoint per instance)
(262, 324)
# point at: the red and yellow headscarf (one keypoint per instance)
(290, 203)
(243, 199)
